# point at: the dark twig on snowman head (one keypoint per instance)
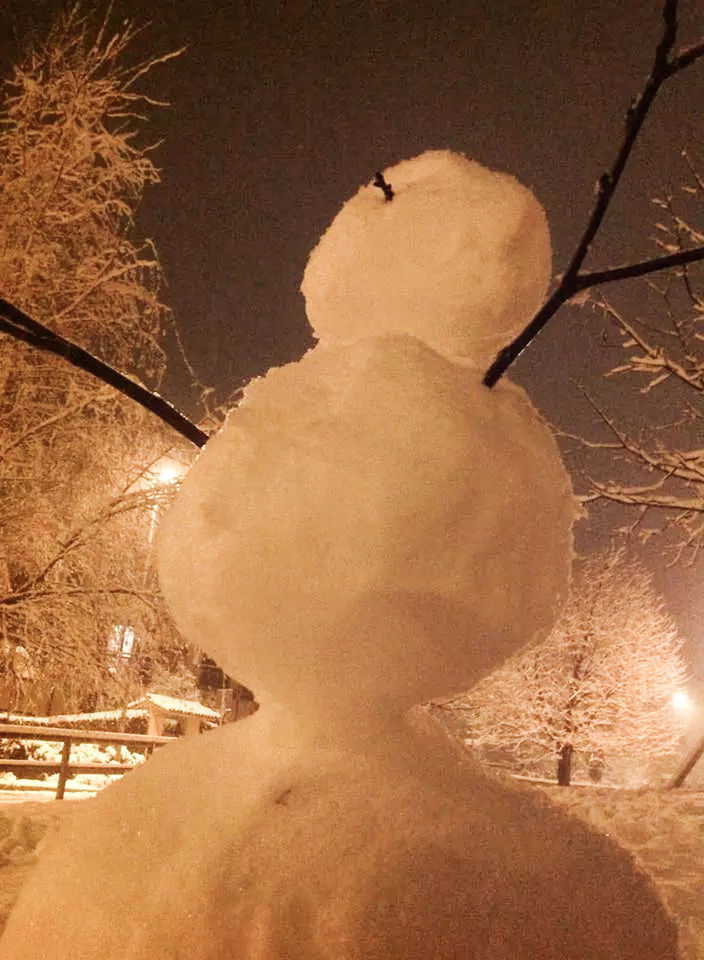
(385, 187)
(572, 282)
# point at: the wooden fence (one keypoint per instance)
(67, 736)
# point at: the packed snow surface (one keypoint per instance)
(372, 527)
(236, 846)
(368, 529)
(459, 258)
(661, 827)
(23, 829)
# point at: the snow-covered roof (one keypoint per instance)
(176, 706)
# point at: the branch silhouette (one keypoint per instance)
(22, 327)
(572, 282)
(17, 324)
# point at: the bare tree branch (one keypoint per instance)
(641, 269)
(19, 325)
(63, 591)
(662, 69)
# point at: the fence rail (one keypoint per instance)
(68, 736)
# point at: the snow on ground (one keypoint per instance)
(664, 829)
(23, 825)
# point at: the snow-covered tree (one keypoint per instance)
(79, 481)
(600, 685)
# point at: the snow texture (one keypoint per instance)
(371, 527)
(663, 829)
(234, 846)
(459, 258)
(23, 830)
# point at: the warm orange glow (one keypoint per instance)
(168, 472)
(681, 700)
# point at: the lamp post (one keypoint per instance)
(682, 702)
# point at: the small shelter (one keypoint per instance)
(190, 715)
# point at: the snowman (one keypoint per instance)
(372, 527)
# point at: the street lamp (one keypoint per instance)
(165, 472)
(681, 701)
(169, 471)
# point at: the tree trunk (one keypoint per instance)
(564, 765)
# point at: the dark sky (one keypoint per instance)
(281, 110)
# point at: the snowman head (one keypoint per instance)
(460, 258)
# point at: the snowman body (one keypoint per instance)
(371, 528)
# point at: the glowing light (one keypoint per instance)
(681, 700)
(168, 472)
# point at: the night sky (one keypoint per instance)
(280, 111)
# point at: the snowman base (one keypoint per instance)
(398, 854)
